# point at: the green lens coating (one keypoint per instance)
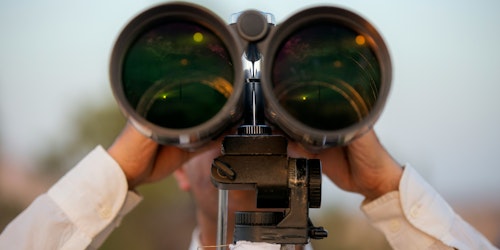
(177, 75)
(326, 76)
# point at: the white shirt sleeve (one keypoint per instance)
(78, 212)
(417, 217)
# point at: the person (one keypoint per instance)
(85, 205)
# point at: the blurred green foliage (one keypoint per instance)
(347, 230)
(92, 125)
(163, 220)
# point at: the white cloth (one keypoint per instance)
(240, 245)
(417, 217)
(247, 245)
(82, 209)
(78, 212)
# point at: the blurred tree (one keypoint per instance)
(347, 230)
(164, 220)
(92, 125)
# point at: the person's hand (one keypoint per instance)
(142, 159)
(363, 166)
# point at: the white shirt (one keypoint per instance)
(84, 206)
(417, 217)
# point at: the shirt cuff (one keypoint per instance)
(424, 207)
(94, 194)
(404, 220)
(426, 210)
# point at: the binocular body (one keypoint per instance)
(178, 73)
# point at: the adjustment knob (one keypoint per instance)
(258, 218)
(252, 25)
(314, 168)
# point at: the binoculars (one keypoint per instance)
(178, 73)
(183, 76)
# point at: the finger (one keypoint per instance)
(336, 166)
(168, 159)
(133, 152)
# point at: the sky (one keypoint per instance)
(442, 116)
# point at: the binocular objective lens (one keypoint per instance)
(326, 76)
(177, 74)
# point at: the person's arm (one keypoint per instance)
(409, 212)
(417, 217)
(84, 206)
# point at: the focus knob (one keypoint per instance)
(252, 25)
(258, 218)
(314, 168)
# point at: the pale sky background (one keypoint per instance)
(443, 114)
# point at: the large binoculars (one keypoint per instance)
(178, 72)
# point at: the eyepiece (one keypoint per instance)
(327, 76)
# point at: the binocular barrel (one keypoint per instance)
(177, 72)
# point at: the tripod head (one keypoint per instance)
(260, 162)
